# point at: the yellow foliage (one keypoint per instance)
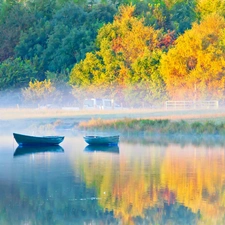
(133, 37)
(38, 90)
(206, 7)
(123, 42)
(193, 69)
(126, 12)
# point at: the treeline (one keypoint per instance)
(42, 40)
(138, 52)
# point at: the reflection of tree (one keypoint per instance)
(135, 183)
(125, 185)
(197, 179)
(165, 140)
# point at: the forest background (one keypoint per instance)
(139, 53)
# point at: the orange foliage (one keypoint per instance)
(167, 40)
(194, 68)
(132, 36)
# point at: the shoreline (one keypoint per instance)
(162, 113)
(53, 119)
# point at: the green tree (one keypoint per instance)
(16, 73)
(18, 20)
(56, 44)
(42, 8)
(32, 45)
(183, 14)
(158, 15)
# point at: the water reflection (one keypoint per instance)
(165, 183)
(102, 148)
(182, 140)
(26, 150)
(143, 184)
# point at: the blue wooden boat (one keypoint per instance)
(102, 140)
(26, 140)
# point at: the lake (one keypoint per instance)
(142, 181)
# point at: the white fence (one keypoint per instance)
(100, 103)
(192, 104)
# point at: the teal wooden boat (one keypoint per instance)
(26, 140)
(27, 150)
(102, 140)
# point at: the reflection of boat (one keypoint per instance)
(102, 148)
(102, 140)
(26, 140)
(23, 150)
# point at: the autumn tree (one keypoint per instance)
(194, 68)
(125, 46)
(40, 92)
(206, 7)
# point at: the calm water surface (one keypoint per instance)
(136, 183)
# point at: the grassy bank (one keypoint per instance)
(149, 126)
